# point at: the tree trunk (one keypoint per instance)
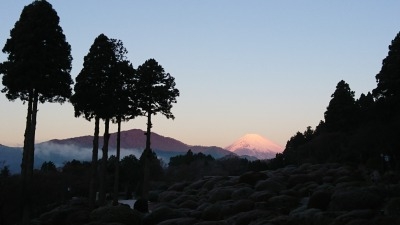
(116, 176)
(148, 132)
(103, 170)
(33, 134)
(95, 153)
(29, 152)
(147, 152)
(26, 204)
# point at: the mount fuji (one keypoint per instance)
(255, 145)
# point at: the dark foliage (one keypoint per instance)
(188, 158)
(5, 172)
(10, 197)
(341, 113)
(39, 57)
(357, 131)
(91, 97)
(50, 189)
(48, 167)
(155, 89)
(152, 166)
(190, 167)
(387, 91)
(155, 93)
(129, 175)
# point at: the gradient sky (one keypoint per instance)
(266, 67)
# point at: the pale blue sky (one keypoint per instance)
(266, 67)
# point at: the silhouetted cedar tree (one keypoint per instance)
(309, 134)
(366, 106)
(97, 89)
(291, 153)
(320, 128)
(156, 93)
(387, 96)
(341, 113)
(129, 174)
(37, 70)
(125, 105)
(297, 146)
(387, 91)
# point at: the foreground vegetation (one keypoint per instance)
(228, 191)
(54, 186)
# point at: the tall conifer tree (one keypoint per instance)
(342, 110)
(93, 98)
(156, 93)
(102, 91)
(37, 70)
(387, 91)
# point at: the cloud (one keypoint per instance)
(61, 153)
(49, 150)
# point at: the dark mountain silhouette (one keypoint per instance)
(133, 139)
(136, 139)
(11, 157)
(133, 142)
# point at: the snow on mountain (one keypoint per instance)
(255, 145)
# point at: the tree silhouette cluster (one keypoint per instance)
(107, 88)
(190, 167)
(363, 130)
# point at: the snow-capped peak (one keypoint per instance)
(255, 145)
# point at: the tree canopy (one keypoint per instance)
(387, 91)
(341, 111)
(156, 89)
(91, 97)
(39, 57)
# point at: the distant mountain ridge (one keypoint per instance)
(136, 139)
(59, 151)
(133, 138)
(11, 157)
(133, 142)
